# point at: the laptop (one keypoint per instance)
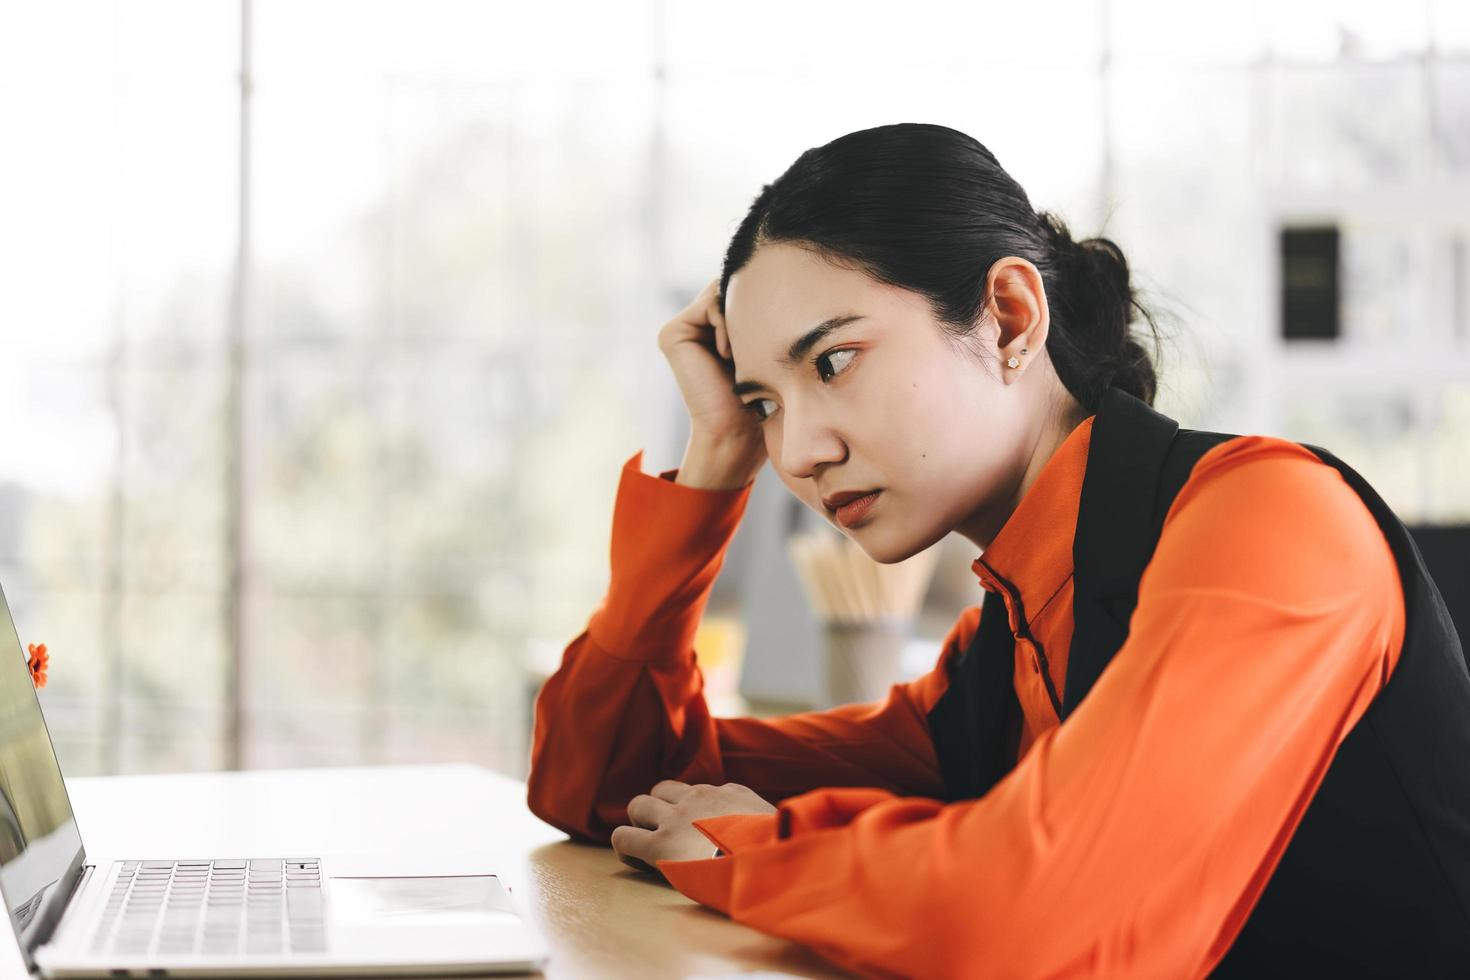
(202, 916)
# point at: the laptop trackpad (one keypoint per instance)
(460, 900)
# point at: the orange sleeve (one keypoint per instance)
(626, 707)
(1134, 839)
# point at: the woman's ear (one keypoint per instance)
(1018, 303)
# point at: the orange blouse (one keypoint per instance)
(1133, 840)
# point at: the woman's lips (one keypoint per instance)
(855, 510)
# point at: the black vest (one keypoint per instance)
(1376, 878)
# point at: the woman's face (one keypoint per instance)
(888, 401)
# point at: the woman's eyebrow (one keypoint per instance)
(800, 346)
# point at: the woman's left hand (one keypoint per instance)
(661, 821)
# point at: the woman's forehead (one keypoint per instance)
(785, 291)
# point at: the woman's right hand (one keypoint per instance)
(726, 445)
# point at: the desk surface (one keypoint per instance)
(600, 918)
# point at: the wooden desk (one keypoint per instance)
(600, 918)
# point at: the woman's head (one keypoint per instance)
(918, 230)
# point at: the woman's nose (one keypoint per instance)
(807, 441)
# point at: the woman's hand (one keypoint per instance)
(661, 822)
(725, 439)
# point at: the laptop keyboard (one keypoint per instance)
(261, 906)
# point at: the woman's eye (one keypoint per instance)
(828, 357)
(754, 409)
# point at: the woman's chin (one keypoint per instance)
(881, 548)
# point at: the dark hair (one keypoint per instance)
(929, 209)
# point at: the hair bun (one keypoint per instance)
(1097, 302)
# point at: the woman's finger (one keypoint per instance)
(634, 847)
(717, 320)
(647, 811)
(697, 312)
(670, 790)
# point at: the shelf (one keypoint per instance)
(1406, 366)
(1428, 206)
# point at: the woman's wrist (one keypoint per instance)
(719, 464)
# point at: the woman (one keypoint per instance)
(1210, 716)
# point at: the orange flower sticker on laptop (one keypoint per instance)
(38, 661)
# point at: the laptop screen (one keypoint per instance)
(40, 847)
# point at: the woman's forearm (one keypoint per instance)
(625, 708)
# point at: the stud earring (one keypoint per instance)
(1013, 362)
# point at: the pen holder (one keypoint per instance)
(866, 609)
(863, 659)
